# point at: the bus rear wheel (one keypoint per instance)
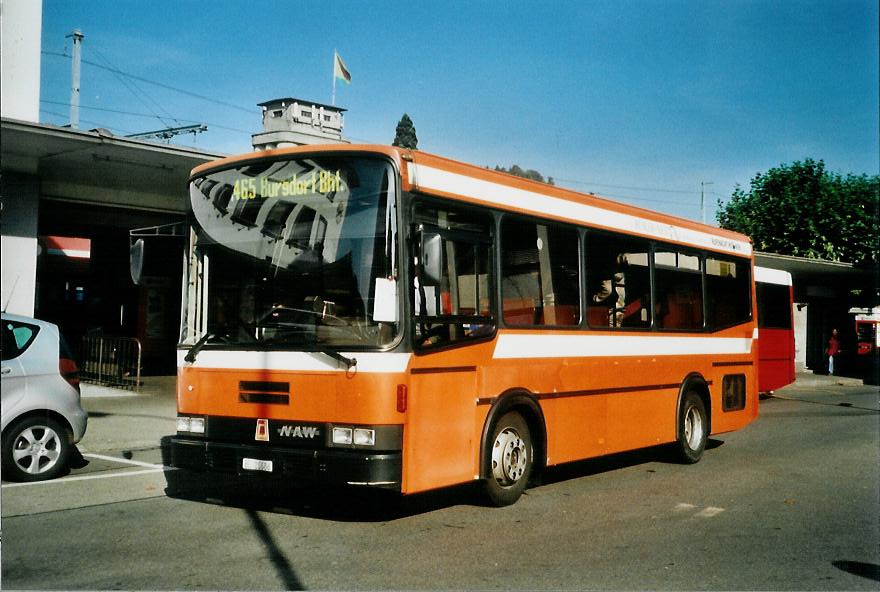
(509, 460)
(693, 429)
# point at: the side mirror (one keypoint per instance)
(136, 261)
(431, 257)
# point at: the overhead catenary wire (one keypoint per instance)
(139, 93)
(94, 123)
(632, 188)
(155, 83)
(148, 116)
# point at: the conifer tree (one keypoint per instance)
(405, 135)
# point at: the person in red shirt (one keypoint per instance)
(832, 350)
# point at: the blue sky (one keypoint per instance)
(635, 100)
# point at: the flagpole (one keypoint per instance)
(333, 101)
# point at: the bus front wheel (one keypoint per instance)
(693, 429)
(509, 460)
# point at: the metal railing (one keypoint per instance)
(111, 361)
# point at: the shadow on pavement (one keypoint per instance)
(282, 565)
(614, 462)
(857, 568)
(357, 504)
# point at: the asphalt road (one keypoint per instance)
(791, 502)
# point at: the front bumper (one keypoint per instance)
(331, 467)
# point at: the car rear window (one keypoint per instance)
(16, 338)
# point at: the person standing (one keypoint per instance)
(832, 350)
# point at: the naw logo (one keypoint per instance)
(289, 431)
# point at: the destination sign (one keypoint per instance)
(264, 187)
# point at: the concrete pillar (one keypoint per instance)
(20, 39)
(800, 337)
(18, 249)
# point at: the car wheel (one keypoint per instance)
(693, 429)
(35, 448)
(509, 460)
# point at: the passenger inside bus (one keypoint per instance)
(620, 292)
(608, 301)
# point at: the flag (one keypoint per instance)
(340, 71)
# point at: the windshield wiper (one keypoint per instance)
(195, 349)
(349, 362)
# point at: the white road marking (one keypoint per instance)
(88, 477)
(124, 461)
(151, 468)
(708, 512)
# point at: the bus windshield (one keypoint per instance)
(288, 254)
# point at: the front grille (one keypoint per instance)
(264, 392)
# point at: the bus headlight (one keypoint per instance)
(342, 435)
(356, 436)
(375, 437)
(191, 425)
(364, 437)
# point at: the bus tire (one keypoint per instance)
(693, 429)
(509, 459)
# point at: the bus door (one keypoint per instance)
(452, 328)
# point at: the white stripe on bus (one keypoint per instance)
(522, 346)
(426, 177)
(295, 361)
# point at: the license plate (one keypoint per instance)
(255, 464)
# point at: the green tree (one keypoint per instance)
(802, 209)
(529, 174)
(405, 134)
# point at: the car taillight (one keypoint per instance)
(69, 372)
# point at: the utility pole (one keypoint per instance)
(74, 77)
(703, 198)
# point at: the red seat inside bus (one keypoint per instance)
(526, 312)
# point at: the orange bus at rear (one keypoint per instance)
(379, 317)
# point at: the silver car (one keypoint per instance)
(42, 417)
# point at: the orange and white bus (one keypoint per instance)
(374, 316)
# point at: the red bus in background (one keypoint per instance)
(775, 329)
(868, 344)
(867, 336)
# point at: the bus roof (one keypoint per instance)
(443, 177)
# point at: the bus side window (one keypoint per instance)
(540, 274)
(618, 282)
(455, 306)
(678, 290)
(774, 306)
(728, 292)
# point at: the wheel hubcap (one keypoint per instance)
(36, 450)
(693, 428)
(509, 457)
